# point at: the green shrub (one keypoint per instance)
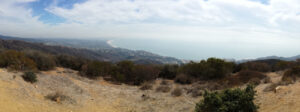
(123, 72)
(256, 66)
(71, 62)
(144, 73)
(229, 100)
(16, 61)
(129, 73)
(169, 71)
(95, 69)
(30, 77)
(209, 69)
(282, 65)
(43, 61)
(183, 79)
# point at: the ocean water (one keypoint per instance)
(198, 50)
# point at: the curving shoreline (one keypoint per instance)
(110, 43)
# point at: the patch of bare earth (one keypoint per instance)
(285, 99)
(62, 90)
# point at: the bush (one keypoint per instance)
(163, 89)
(209, 69)
(256, 66)
(183, 79)
(42, 60)
(16, 61)
(230, 100)
(71, 62)
(255, 81)
(30, 77)
(177, 92)
(146, 86)
(58, 97)
(144, 73)
(95, 69)
(267, 80)
(292, 73)
(129, 73)
(282, 65)
(164, 82)
(169, 71)
(196, 92)
(244, 77)
(123, 72)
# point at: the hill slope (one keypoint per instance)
(96, 50)
(84, 95)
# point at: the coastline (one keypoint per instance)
(110, 43)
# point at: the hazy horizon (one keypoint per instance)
(185, 29)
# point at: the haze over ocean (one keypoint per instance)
(197, 50)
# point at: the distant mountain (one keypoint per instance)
(293, 58)
(91, 49)
(76, 43)
(270, 58)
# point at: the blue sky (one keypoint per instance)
(227, 24)
(39, 9)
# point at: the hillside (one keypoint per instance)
(85, 95)
(94, 50)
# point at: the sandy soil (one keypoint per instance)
(286, 99)
(86, 95)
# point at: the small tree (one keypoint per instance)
(43, 61)
(30, 77)
(169, 71)
(95, 69)
(229, 100)
(209, 69)
(72, 62)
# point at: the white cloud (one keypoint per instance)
(199, 20)
(230, 24)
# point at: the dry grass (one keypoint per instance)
(163, 89)
(176, 92)
(164, 82)
(267, 80)
(243, 77)
(89, 95)
(146, 86)
(59, 97)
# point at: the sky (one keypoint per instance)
(235, 28)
